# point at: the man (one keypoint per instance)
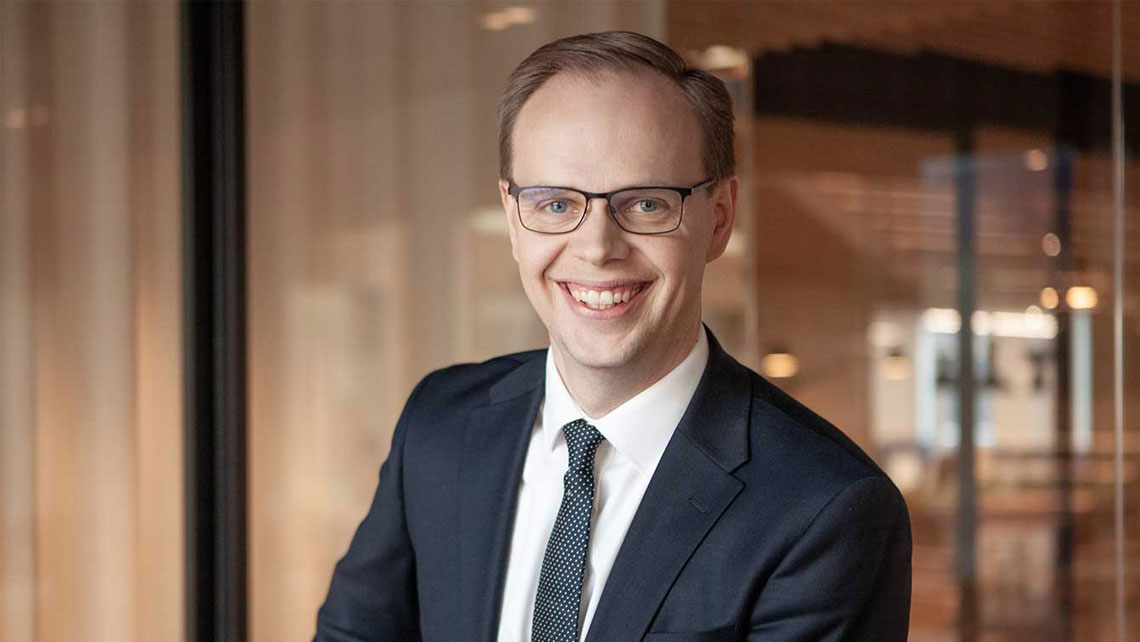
(633, 482)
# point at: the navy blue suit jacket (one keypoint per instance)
(761, 522)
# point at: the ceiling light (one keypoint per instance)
(1026, 325)
(519, 15)
(1081, 297)
(779, 365)
(506, 17)
(1036, 160)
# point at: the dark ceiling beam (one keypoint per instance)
(933, 92)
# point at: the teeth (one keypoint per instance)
(604, 299)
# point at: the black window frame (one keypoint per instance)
(214, 318)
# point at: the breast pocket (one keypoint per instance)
(723, 634)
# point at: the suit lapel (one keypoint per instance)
(494, 451)
(690, 489)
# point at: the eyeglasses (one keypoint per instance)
(639, 210)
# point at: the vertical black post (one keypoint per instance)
(965, 187)
(214, 273)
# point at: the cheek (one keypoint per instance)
(535, 256)
(692, 258)
(678, 260)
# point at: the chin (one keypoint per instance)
(600, 352)
(592, 358)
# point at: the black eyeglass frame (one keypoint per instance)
(685, 192)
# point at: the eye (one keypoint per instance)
(557, 207)
(647, 206)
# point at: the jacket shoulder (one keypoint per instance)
(463, 384)
(801, 462)
(789, 435)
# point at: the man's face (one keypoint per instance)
(598, 135)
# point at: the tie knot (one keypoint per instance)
(582, 441)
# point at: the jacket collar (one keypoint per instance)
(528, 377)
(721, 399)
(717, 419)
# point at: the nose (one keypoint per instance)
(599, 239)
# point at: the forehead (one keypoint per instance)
(605, 132)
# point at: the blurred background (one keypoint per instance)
(901, 162)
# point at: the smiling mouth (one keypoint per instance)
(604, 298)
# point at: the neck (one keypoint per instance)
(597, 391)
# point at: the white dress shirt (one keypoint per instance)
(636, 434)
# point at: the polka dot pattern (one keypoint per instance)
(559, 595)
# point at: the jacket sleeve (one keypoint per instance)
(372, 596)
(848, 577)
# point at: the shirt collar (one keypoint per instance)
(641, 427)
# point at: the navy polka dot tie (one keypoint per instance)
(559, 594)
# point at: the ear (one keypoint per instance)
(512, 220)
(724, 213)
